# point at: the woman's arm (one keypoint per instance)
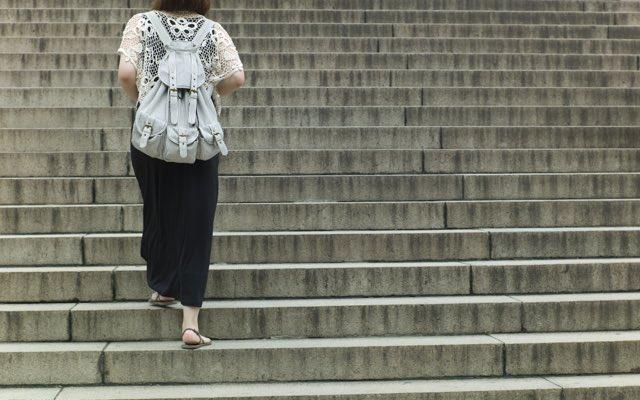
(130, 51)
(229, 71)
(127, 79)
(231, 83)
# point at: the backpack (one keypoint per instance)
(177, 120)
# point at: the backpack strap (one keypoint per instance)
(201, 35)
(159, 27)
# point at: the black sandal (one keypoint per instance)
(155, 300)
(197, 345)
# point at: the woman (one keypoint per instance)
(179, 199)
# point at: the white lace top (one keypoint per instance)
(141, 46)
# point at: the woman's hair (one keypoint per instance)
(196, 6)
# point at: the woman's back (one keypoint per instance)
(142, 46)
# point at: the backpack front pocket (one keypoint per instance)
(211, 141)
(148, 134)
(181, 144)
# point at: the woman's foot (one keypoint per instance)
(192, 339)
(157, 299)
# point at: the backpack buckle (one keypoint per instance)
(182, 143)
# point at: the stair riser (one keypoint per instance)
(241, 323)
(83, 139)
(515, 187)
(335, 216)
(352, 4)
(263, 364)
(257, 138)
(535, 214)
(341, 116)
(329, 80)
(333, 4)
(353, 97)
(129, 283)
(350, 45)
(239, 189)
(231, 217)
(434, 245)
(313, 162)
(329, 61)
(338, 16)
(331, 247)
(347, 188)
(542, 137)
(90, 324)
(569, 358)
(125, 250)
(344, 162)
(238, 30)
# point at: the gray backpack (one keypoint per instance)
(177, 120)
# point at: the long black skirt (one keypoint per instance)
(179, 204)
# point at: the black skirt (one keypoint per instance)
(179, 204)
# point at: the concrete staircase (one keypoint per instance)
(424, 200)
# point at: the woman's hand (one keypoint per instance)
(127, 79)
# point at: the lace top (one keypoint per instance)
(141, 46)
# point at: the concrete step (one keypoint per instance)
(427, 78)
(547, 276)
(523, 115)
(343, 96)
(350, 4)
(245, 360)
(533, 161)
(335, 215)
(259, 189)
(263, 319)
(378, 116)
(256, 138)
(261, 360)
(332, 246)
(539, 137)
(252, 189)
(110, 117)
(311, 96)
(225, 16)
(237, 30)
(231, 217)
(296, 246)
(265, 162)
(502, 45)
(542, 213)
(549, 186)
(401, 137)
(105, 44)
(333, 60)
(325, 317)
(352, 45)
(319, 280)
(624, 386)
(237, 281)
(341, 162)
(447, 389)
(502, 17)
(121, 15)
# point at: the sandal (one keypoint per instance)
(197, 345)
(155, 300)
